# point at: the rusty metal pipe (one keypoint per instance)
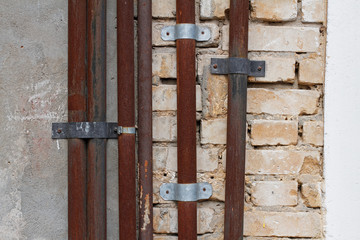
(126, 118)
(236, 124)
(77, 113)
(186, 119)
(96, 112)
(145, 119)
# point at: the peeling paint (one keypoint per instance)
(146, 213)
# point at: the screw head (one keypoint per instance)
(59, 131)
(259, 68)
(215, 66)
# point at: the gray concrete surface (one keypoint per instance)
(33, 94)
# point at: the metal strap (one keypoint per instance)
(223, 66)
(84, 130)
(186, 31)
(185, 192)
(108, 130)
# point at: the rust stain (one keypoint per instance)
(146, 166)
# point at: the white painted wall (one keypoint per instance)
(342, 121)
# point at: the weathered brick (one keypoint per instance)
(271, 132)
(311, 71)
(210, 218)
(214, 90)
(164, 128)
(272, 238)
(165, 158)
(159, 25)
(165, 98)
(165, 237)
(217, 181)
(164, 63)
(214, 236)
(313, 10)
(225, 37)
(308, 178)
(311, 193)
(165, 219)
(205, 218)
(213, 8)
(292, 39)
(164, 8)
(313, 133)
(274, 193)
(213, 131)
(288, 102)
(277, 161)
(278, 68)
(159, 178)
(279, 38)
(311, 166)
(207, 159)
(204, 61)
(274, 10)
(282, 224)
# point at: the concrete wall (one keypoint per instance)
(33, 90)
(33, 93)
(342, 113)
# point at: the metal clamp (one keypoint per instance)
(186, 31)
(244, 66)
(126, 130)
(185, 192)
(84, 130)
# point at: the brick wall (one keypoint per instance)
(284, 182)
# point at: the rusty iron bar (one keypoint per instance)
(126, 118)
(186, 119)
(96, 112)
(236, 124)
(77, 113)
(145, 119)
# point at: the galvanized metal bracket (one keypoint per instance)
(106, 130)
(125, 130)
(185, 192)
(223, 66)
(186, 31)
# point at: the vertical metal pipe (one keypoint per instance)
(236, 124)
(96, 112)
(145, 119)
(77, 113)
(126, 118)
(186, 119)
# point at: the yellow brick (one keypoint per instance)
(313, 133)
(270, 132)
